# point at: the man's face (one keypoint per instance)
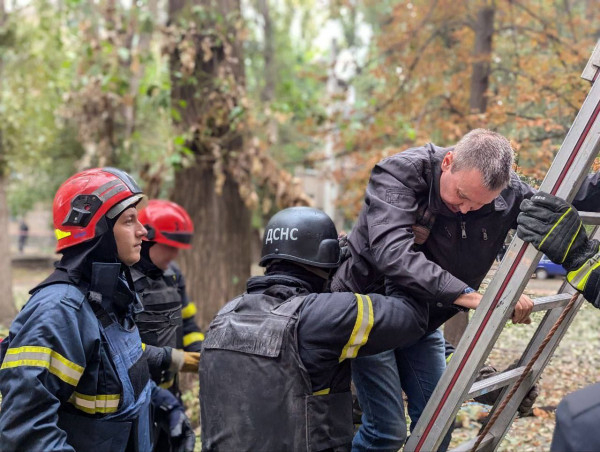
(128, 232)
(463, 190)
(161, 255)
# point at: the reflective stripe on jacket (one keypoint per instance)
(68, 382)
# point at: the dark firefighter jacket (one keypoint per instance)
(168, 317)
(404, 191)
(73, 375)
(275, 369)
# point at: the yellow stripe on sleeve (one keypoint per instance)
(58, 365)
(189, 311)
(190, 338)
(362, 328)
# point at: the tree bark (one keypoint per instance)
(268, 90)
(218, 265)
(480, 75)
(7, 306)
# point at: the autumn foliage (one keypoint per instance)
(422, 80)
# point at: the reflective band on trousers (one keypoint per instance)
(58, 365)
(362, 328)
(103, 403)
(191, 338)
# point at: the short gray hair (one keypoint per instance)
(487, 151)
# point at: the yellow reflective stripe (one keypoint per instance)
(189, 311)
(61, 234)
(143, 346)
(167, 384)
(102, 403)
(552, 229)
(58, 365)
(579, 278)
(322, 391)
(361, 330)
(572, 240)
(449, 357)
(190, 338)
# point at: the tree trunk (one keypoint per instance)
(268, 92)
(218, 266)
(7, 306)
(480, 76)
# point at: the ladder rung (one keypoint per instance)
(551, 302)
(590, 217)
(497, 381)
(468, 445)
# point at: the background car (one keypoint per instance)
(548, 269)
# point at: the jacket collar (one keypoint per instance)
(436, 204)
(279, 286)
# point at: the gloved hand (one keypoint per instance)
(191, 361)
(344, 250)
(526, 406)
(181, 434)
(553, 226)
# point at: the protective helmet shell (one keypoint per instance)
(83, 199)
(301, 234)
(167, 223)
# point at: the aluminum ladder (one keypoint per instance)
(571, 165)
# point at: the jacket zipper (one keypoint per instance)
(463, 230)
(485, 236)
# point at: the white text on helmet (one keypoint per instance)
(281, 234)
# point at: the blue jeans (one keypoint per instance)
(380, 380)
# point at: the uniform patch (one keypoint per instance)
(395, 196)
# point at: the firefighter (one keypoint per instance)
(275, 365)
(73, 373)
(553, 226)
(168, 316)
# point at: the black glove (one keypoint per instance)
(171, 411)
(344, 250)
(181, 432)
(526, 406)
(553, 226)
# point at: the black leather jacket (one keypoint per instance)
(404, 191)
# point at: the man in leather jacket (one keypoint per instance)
(275, 366)
(432, 223)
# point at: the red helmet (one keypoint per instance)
(83, 199)
(167, 223)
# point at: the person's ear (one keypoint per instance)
(447, 161)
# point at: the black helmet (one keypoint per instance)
(301, 234)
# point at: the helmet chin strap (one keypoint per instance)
(317, 271)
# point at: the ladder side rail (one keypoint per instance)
(506, 419)
(568, 170)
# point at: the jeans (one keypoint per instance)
(380, 380)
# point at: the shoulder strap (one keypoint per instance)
(289, 307)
